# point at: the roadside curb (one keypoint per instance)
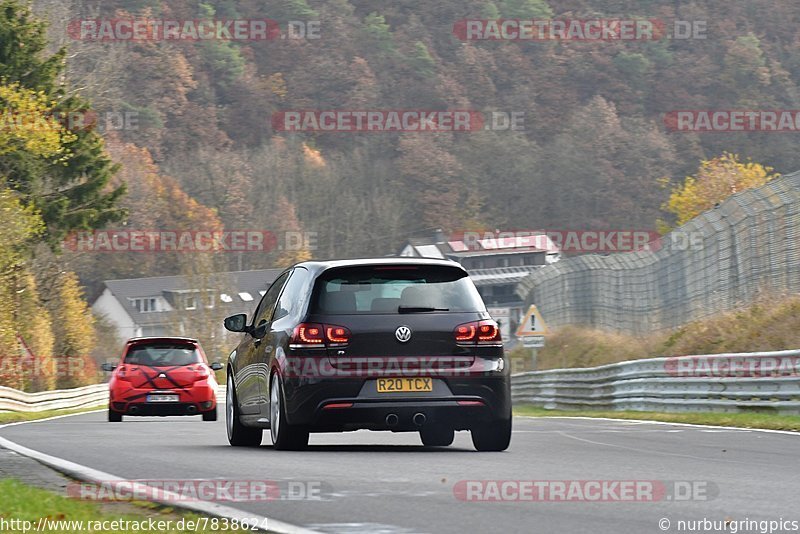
(88, 474)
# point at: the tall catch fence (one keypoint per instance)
(722, 259)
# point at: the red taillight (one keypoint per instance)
(337, 334)
(202, 371)
(488, 331)
(308, 334)
(479, 332)
(122, 373)
(312, 334)
(465, 332)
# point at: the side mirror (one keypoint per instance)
(236, 323)
(108, 367)
(216, 366)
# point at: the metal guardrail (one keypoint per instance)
(13, 400)
(739, 382)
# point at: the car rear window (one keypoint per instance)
(393, 289)
(163, 354)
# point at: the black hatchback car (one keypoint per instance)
(394, 344)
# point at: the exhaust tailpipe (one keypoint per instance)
(134, 409)
(392, 419)
(192, 409)
(419, 419)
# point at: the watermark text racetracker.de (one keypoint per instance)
(396, 120)
(582, 491)
(200, 490)
(599, 241)
(732, 366)
(151, 524)
(141, 29)
(33, 367)
(73, 121)
(733, 120)
(212, 240)
(601, 29)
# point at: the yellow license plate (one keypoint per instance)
(392, 385)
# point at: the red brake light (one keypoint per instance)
(203, 371)
(308, 333)
(465, 332)
(479, 332)
(488, 331)
(122, 373)
(337, 334)
(318, 335)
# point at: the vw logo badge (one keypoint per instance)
(403, 334)
(162, 375)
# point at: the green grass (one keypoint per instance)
(743, 420)
(770, 323)
(14, 417)
(23, 502)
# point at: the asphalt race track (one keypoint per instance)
(387, 483)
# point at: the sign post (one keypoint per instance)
(531, 332)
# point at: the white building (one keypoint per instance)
(158, 306)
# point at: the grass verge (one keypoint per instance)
(770, 323)
(19, 501)
(15, 417)
(743, 420)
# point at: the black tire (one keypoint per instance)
(210, 415)
(285, 437)
(492, 437)
(238, 434)
(114, 417)
(437, 436)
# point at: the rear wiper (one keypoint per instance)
(419, 309)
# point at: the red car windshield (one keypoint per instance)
(163, 355)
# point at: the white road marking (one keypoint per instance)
(88, 474)
(643, 421)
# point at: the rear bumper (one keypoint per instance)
(163, 409)
(198, 399)
(341, 404)
(398, 416)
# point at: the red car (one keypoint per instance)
(162, 376)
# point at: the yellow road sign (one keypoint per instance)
(532, 324)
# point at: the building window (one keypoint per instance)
(145, 305)
(190, 303)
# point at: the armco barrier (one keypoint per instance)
(739, 382)
(736, 382)
(12, 400)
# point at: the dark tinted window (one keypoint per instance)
(395, 289)
(267, 305)
(292, 296)
(163, 354)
